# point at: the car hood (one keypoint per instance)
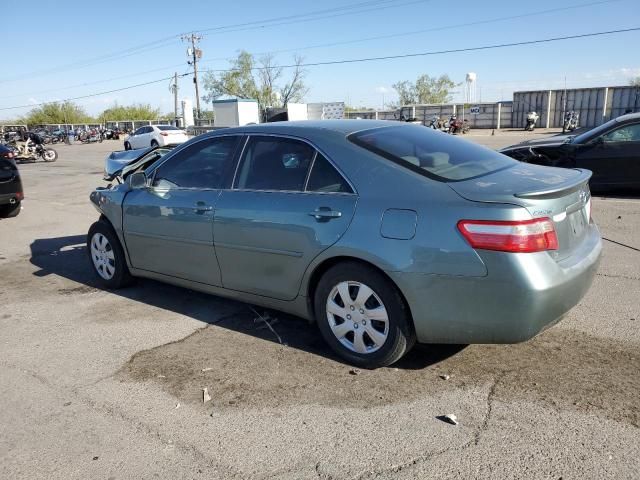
(554, 141)
(116, 161)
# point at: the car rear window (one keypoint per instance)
(434, 154)
(167, 127)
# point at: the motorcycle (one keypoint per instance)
(32, 149)
(570, 121)
(532, 118)
(435, 123)
(91, 136)
(458, 126)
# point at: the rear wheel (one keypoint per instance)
(127, 146)
(107, 256)
(362, 316)
(10, 210)
(154, 143)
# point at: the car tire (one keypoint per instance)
(10, 210)
(127, 146)
(107, 256)
(154, 143)
(362, 341)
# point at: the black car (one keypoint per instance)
(11, 194)
(611, 151)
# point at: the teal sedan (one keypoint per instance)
(382, 233)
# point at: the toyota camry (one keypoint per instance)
(382, 233)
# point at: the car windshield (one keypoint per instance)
(167, 127)
(433, 154)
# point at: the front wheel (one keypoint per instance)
(49, 155)
(107, 256)
(362, 316)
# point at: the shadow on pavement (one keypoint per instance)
(67, 258)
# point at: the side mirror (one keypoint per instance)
(598, 141)
(137, 180)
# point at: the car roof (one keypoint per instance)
(628, 117)
(345, 127)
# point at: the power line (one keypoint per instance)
(162, 42)
(367, 59)
(268, 23)
(439, 52)
(99, 93)
(346, 42)
(437, 29)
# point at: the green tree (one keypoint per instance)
(635, 82)
(426, 89)
(56, 112)
(261, 80)
(138, 111)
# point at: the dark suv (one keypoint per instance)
(10, 185)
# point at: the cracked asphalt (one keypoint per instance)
(108, 385)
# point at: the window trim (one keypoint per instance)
(305, 191)
(174, 152)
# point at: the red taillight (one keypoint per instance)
(524, 236)
(164, 134)
(9, 155)
(19, 196)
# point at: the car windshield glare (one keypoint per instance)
(430, 153)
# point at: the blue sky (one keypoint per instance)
(82, 48)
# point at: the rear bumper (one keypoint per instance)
(522, 295)
(8, 198)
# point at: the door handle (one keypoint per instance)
(325, 214)
(202, 207)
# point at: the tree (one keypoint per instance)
(426, 89)
(138, 111)
(635, 82)
(56, 112)
(260, 80)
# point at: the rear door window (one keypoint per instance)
(430, 153)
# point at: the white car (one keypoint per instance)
(155, 135)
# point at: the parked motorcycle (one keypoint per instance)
(91, 136)
(570, 121)
(32, 149)
(532, 118)
(458, 126)
(436, 123)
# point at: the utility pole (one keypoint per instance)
(174, 90)
(195, 54)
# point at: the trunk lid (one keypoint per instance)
(562, 194)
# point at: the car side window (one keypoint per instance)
(201, 165)
(139, 131)
(274, 163)
(628, 133)
(325, 178)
